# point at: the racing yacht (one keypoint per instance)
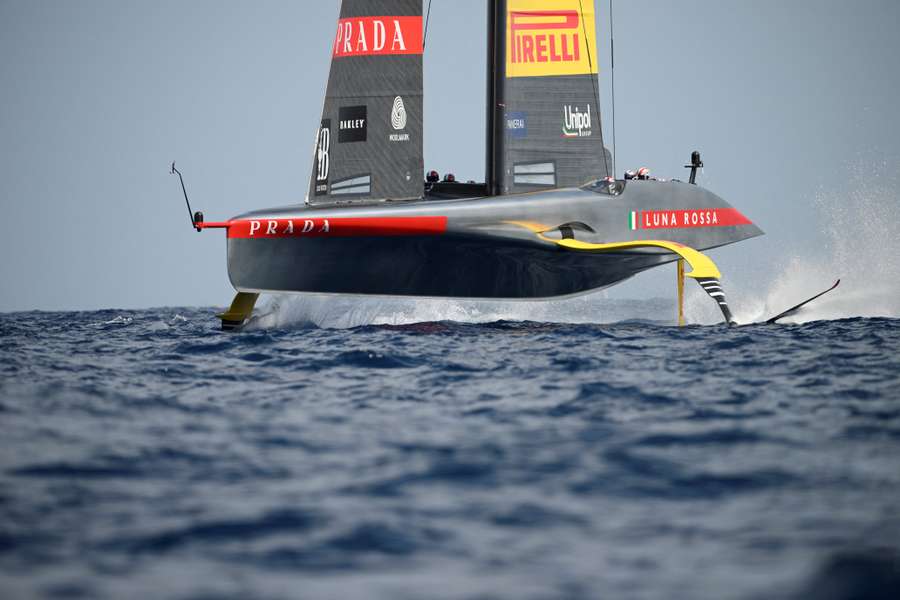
(550, 219)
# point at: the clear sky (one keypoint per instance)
(788, 101)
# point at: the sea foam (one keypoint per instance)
(857, 243)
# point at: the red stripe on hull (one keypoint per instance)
(701, 217)
(341, 227)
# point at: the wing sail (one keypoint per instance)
(369, 143)
(546, 99)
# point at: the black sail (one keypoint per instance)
(369, 144)
(544, 114)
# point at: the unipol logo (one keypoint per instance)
(323, 148)
(558, 41)
(398, 121)
(576, 123)
(378, 36)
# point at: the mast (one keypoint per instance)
(496, 74)
(369, 144)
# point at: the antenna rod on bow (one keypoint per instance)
(696, 163)
(196, 217)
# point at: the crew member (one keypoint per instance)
(432, 177)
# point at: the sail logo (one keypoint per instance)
(398, 121)
(378, 36)
(685, 219)
(352, 124)
(550, 38)
(576, 123)
(517, 124)
(398, 114)
(323, 160)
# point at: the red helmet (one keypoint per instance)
(643, 173)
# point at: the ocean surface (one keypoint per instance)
(145, 454)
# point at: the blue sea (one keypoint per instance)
(145, 454)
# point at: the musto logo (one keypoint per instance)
(378, 36)
(550, 38)
(575, 122)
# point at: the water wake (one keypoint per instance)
(858, 244)
(345, 312)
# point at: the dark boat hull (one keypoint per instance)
(426, 266)
(486, 248)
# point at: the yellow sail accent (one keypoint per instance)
(550, 37)
(702, 267)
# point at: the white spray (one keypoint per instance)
(859, 244)
(348, 311)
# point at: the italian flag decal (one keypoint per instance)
(633, 221)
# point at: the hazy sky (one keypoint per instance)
(785, 99)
